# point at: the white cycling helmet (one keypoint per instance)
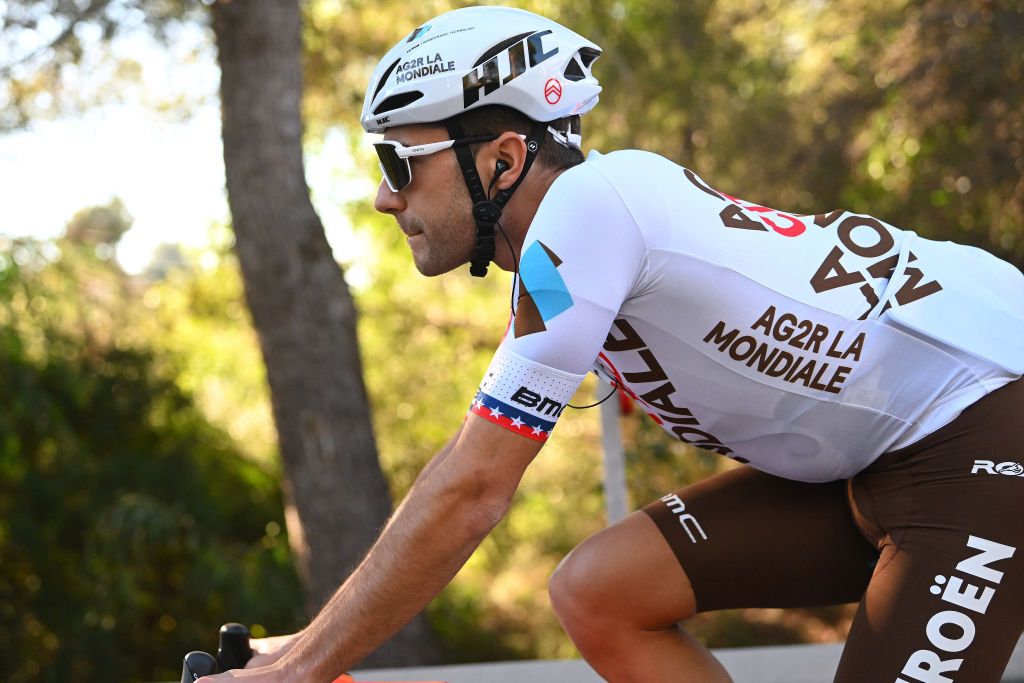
(480, 56)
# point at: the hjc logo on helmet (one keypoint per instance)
(475, 56)
(488, 77)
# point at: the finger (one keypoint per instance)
(259, 660)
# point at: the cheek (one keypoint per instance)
(449, 174)
(457, 191)
(460, 207)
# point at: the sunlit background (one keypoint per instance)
(140, 501)
(152, 140)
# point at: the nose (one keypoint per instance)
(387, 201)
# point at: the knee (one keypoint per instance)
(568, 584)
(582, 591)
(620, 580)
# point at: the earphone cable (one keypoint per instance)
(512, 295)
(615, 386)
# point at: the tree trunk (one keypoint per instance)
(302, 310)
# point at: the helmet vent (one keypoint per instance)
(573, 70)
(500, 47)
(384, 79)
(587, 56)
(397, 101)
(578, 67)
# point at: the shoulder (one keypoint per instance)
(606, 185)
(601, 197)
(646, 185)
(627, 170)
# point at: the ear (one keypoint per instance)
(508, 148)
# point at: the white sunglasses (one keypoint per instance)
(394, 157)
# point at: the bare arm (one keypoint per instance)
(270, 650)
(437, 459)
(461, 495)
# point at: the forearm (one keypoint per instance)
(436, 460)
(266, 651)
(429, 538)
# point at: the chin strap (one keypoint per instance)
(486, 212)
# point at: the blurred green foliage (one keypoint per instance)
(129, 397)
(130, 527)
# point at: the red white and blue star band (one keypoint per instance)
(513, 419)
(522, 395)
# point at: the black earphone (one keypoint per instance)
(500, 167)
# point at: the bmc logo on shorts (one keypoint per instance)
(1010, 469)
(686, 520)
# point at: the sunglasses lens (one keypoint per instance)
(396, 170)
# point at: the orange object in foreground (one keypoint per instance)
(348, 679)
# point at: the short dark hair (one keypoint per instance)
(498, 119)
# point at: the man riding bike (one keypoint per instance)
(868, 380)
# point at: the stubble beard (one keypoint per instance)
(448, 243)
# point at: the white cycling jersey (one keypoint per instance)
(804, 345)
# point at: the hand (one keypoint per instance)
(266, 674)
(263, 674)
(267, 651)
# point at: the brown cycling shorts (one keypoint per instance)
(928, 539)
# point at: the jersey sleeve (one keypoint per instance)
(583, 256)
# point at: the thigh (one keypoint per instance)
(744, 538)
(946, 602)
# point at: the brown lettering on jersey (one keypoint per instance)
(831, 274)
(733, 217)
(823, 279)
(875, 239)
(855, 348)
(785, 328)
(823, 220)
(718, 336)
(910, 291)
(868, 292)
(886, 266)
(767, 320)
(692, 177)
(659, 399)
(885, 240)
(629, 341)
(654, 373)
(683, 432)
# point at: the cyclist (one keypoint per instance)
(867, 378)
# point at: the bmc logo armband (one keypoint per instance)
(524, 396)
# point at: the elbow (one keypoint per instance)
(480, 503)
(490, 512)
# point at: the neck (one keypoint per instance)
(518, 215)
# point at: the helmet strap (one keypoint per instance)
(487, 211)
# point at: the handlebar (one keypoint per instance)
(233, 652)
(196, 665)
